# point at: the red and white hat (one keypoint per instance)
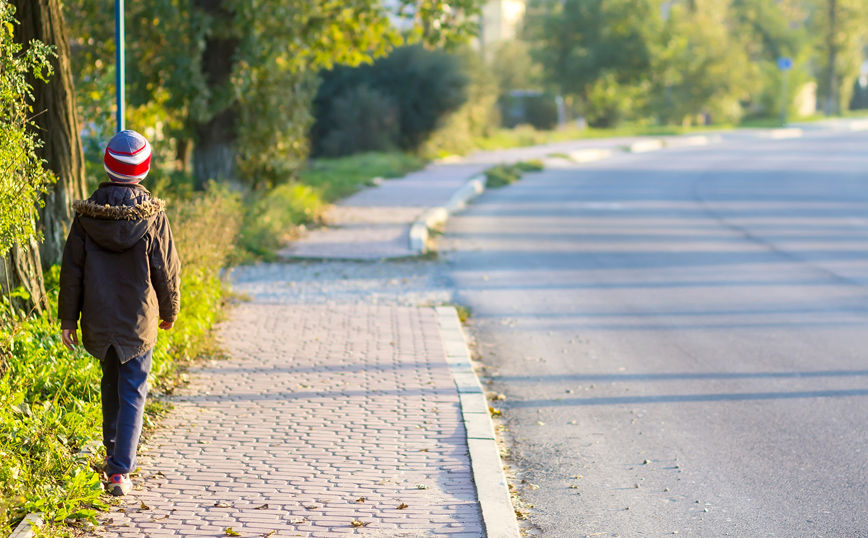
(127, 157)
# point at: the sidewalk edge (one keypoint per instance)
(437, 216)
(25, 528)
(492, 491)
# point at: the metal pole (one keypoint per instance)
(120, 71)
(784, 97)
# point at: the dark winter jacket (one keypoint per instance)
(120, 271)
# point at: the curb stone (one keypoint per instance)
(498, 515)
(25, 528)
(437, 216)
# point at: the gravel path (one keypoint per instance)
(398, 283)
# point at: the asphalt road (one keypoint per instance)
(681, 337)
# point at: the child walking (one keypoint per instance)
(120, 273)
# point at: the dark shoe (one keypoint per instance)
(119, 484)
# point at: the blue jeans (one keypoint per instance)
(124, 388)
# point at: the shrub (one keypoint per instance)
(506, 174)
(478, 117)
(363, 120)
(272, 218)
(425, 85)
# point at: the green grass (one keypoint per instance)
(523, 136)
(506, 174)
(342, 176)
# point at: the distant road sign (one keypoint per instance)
(785, 64)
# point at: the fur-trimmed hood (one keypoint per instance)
(118, 216)
(148, 208)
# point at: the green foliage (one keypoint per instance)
(506, 174)
(701, 67)
(424, 86)
(49, 396)
(23, 177)
(514, 67)
(363, 120)
(840, 48)
(273, 218)
(592, 48)
(274, 48)
(477, 117)
(341, 177)
(690, 62)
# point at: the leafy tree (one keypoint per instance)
(23, 178)
(55, 121)
(840, 27)
(599, 51)
(702, 65)
(232, 74)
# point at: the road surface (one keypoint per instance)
(681, 337)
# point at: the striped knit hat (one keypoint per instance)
(127, 157)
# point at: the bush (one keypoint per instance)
(363, 120)
(478, 117)
(425, 85)
(49, 396)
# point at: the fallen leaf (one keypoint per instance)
(144, 506)
(402, 506)
(267, 534)
(263, 507)
(533, 487)
(297, 520)
(229, 531)
(421, 486)
(540, 423)
(360, 500)
(222, 504)
(359, 523)
(646, 462)
(423, 450)
(312, 507)
(495, 412)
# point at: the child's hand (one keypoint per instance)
(166, 325)
(69, 337)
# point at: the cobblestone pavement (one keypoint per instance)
(324, 415)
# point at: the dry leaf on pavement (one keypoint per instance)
(359, 523)
(144, 506)
(229, 531)
(263, 507)
(402, 506)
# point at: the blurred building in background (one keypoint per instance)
(500, 21)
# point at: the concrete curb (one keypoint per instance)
(25, 528)
(436, 216)
(498, 515)
(781, 134)
(644, 146)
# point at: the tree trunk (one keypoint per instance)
(214, 151)
(23, 269)
(831, 105)
(57, 122)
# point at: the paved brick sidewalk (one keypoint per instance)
(326, 414)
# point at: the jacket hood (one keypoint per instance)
(118, 216)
